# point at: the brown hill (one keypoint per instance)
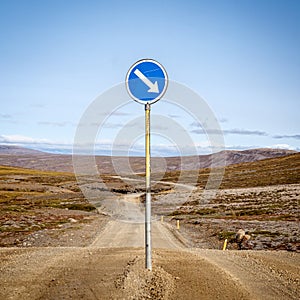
(15, 150)
(225, 158)
(27, 158)
(266, 172)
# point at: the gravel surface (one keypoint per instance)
(117, 271)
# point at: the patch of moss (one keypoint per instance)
(72, 206)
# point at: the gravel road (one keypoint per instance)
(112, 267)
(122, 234)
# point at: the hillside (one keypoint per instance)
(15, 150)
(52, 247)
(259, 192)
(27, 158)
(271, 171)
(261, 197)
(32, 200)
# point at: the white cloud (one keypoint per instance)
(124, 147)
(20, 139)
(282, 146)
(35, 143)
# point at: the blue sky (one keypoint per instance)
(242, 57)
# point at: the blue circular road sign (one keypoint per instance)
(146, 81)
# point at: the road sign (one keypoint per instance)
(146, 81)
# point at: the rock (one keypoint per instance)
(242, 240)
(71, 220)
(247, 237)
(240, 235)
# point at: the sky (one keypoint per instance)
(241, 57)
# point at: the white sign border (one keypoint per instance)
(164, 89)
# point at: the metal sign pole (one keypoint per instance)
(148, 190)
(146, 82)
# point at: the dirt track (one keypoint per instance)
(112, 267)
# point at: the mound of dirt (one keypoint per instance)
(140, 283)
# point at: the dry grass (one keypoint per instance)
(274, 171)
(32, 200)
(261, 197)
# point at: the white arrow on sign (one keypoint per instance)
(153, 87)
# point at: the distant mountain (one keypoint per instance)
(272, 171)
(27, 158)
(15, 150)
(265, 172)
(34, 159)
(224, 158)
